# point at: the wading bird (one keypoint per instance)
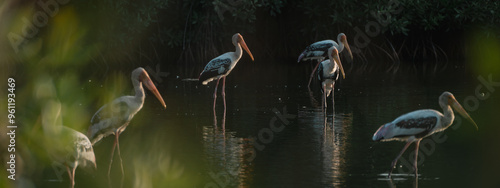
(113, 118)
(328, 73)
(319, 51)
(416, 125)
(221, 66)
(72, 148)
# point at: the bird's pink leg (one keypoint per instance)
(323, 109)
(333, 101)
(111, 161)
(215, 92)
(416, 156)
(69, 172)
(70, 177)
(73, 176)
(333, 110)
(120, 156)
(215, 98)
(312, 75)
(224, 99)
(396, 160)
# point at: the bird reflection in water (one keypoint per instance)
(223, 123)
(227, 156)
(334, 148)
(391, 183)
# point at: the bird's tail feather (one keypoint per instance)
(301, 56)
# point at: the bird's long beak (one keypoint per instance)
(244, 45)
(149, 84)
(337, 60)
(461, 111)
(348, 48)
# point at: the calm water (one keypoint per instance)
(253, 147)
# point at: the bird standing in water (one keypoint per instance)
(65, 146)
(414, 126)
(113, 118)
(319, 51)
(219, 67)
(328, 73)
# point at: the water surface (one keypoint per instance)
(252, 147)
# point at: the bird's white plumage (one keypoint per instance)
(419, 114)
(81, 148)
(325, 42)
(329, 71)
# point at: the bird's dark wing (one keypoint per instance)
(419, 127)
(319, 72)
(321, 77)
(215, 68)
(323, 46)
(317, 49)
(117, 108)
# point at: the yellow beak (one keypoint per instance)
(462, 112)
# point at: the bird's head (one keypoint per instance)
(381, 133)
(143, 76)
(333, 54)
(343, 38)
(238, 39)
(448, 99)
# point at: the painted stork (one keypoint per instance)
(113, 118)
(319, 50)
(416, 125)
(72, 148)
(221, 66)
(328, 73)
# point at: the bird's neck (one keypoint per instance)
(332, 67)
(448, 116)
(51, 119)
(239, 52)
(341, 45)
(139, 91)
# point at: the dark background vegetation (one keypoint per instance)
(183, 35)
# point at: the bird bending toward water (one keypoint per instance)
(416, 125)
(65, 146)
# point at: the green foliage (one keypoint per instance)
(199, 29)
(324, 15)
(120, 22)
(416, 16)
(447, 15)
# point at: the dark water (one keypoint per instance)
(258, 145)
